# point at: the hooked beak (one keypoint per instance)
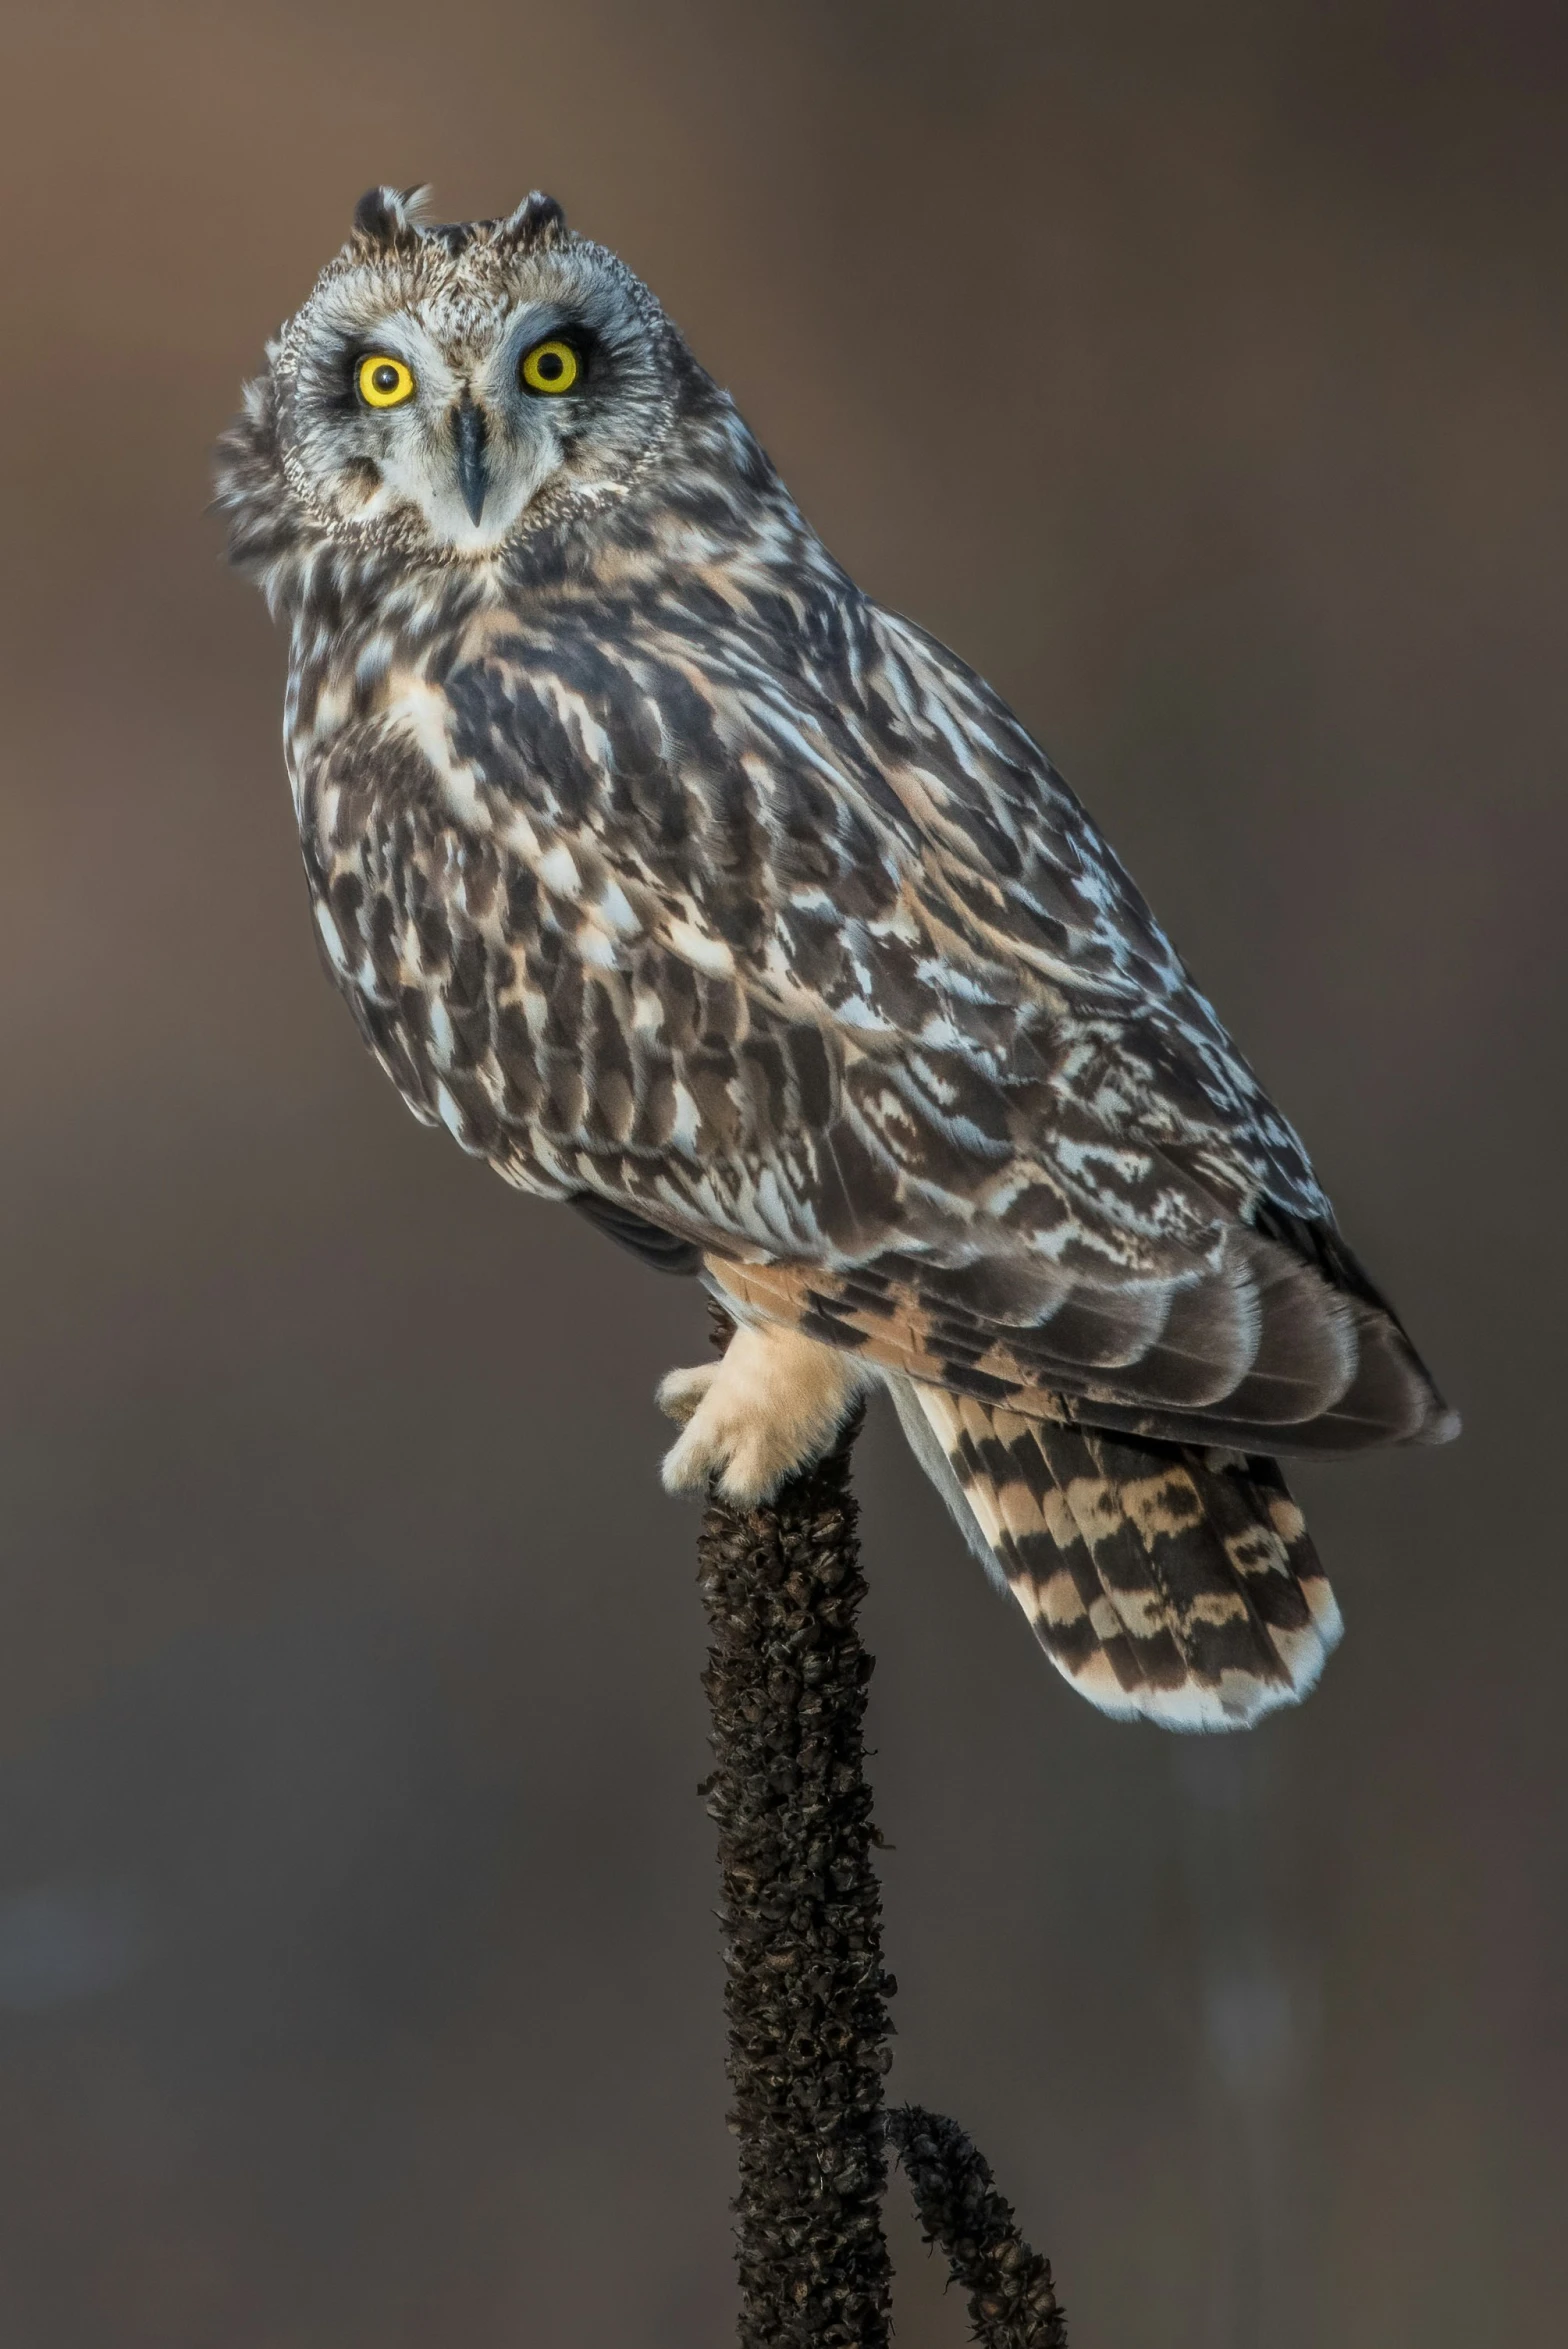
(468, 434)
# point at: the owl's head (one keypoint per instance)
(445, 388)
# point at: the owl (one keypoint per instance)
(695, 891)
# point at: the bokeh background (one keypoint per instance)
(1201, 372)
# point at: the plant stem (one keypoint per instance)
(1012, 2302)
(805, 1994)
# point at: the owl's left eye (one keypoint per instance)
(384, 382)
(550, 367)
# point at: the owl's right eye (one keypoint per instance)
(384, 382)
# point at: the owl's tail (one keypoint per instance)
(1166, 1582)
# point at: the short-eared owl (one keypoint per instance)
(692, 889)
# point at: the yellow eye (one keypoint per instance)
(551, 367)
(384, 382)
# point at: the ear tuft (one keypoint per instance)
(386, 219)
(538, 221)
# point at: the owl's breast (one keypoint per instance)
(429, 915)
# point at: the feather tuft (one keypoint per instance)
(386, 220)
(538, 222)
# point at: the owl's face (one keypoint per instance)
(443, 387)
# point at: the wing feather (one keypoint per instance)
(801, 954)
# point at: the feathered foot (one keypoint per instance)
(767, 1408)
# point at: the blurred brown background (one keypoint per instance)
(358, 1980)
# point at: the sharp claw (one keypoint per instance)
(679, 1394)
(756, 1417)
(748, 1488)
(687, 1466)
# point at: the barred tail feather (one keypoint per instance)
(1167, 1582)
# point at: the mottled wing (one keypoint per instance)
(763, 924)
(1254, 1355)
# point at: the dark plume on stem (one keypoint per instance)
(800, 1909)
(806, 1991)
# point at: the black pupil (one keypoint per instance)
(550, 365)
(385, 379)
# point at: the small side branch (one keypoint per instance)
(1012, 2303)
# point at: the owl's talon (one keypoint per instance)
(679, 1393)
(770, 1407)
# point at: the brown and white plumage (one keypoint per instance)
(688, 886)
